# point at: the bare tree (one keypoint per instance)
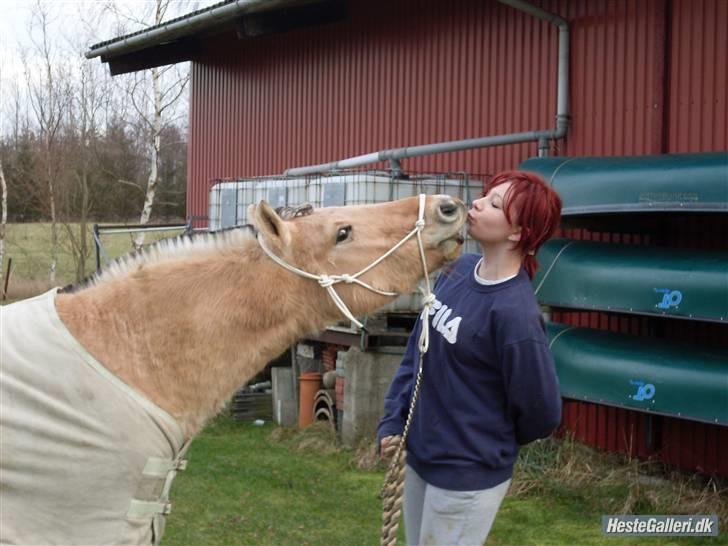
(47, 95)
(78, 144)
(89, 92)
(154, 95)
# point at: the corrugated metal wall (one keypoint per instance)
(697, 120)
(417, 72)
(697, 113)
(647, 76)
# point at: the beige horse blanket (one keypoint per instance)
(84, 459)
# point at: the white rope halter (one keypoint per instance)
(328, 281)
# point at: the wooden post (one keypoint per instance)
(7, 279)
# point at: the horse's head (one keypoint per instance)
(345, 240)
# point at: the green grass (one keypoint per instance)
(242, 487)
(248, 485)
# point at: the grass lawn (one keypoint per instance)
(249, 485)
(29, 245)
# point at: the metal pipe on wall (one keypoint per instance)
(559, 131)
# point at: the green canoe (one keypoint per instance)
(648, 375)
(688, 284)
(629, 184)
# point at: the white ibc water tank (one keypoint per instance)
(229, 201)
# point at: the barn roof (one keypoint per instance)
(181, 39)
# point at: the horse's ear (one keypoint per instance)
(270, 224)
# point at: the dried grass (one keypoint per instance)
(366, 456)
(319, 437)
(20, 289)
(604, 482)
(615, 484)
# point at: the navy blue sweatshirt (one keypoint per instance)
(489, 382)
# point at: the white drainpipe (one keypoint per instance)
(540, 136)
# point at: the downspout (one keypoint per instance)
(540, 136)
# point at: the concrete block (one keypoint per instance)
(307, 360)
(367, 379)
(284, 400)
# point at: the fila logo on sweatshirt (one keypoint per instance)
(443, 323)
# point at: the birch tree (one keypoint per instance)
(4, 220)
(154, 95)
(4, 189)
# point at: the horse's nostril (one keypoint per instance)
(448, 209)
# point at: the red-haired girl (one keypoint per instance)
(489, 383)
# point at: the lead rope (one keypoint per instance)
(393, 488)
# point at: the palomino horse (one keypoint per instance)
(103, 386)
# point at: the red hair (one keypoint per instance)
(534, 206)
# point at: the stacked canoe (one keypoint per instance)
(650, 374)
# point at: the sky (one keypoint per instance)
(16, 15)
(71, 34)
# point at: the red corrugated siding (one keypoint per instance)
(646, 77)
(427, 72)
(695, 445)
(608, 428)
(697, 121)
(698, 55)
(424, 73)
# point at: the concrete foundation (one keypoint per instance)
(367, 379)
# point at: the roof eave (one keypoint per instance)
(186, 26)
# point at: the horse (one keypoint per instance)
(104, 384)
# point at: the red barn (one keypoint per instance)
(276, 85)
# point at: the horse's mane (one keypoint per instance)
(287, 213)
(182, 246)
(173, 248)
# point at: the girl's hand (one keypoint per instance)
(387, 447)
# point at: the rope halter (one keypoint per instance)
(329, 281)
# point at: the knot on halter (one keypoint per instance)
(428, 299)
(325, 281)
(348, 279)
(420, 224)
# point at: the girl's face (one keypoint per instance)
(487, 222)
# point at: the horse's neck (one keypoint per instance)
(187, 336)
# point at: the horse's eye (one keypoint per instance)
(343, 234)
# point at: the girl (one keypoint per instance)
(489, 383)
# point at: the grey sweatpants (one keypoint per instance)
(439, 517)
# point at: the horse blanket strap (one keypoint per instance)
(143, 509)
(160, 468)
(84, 458)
